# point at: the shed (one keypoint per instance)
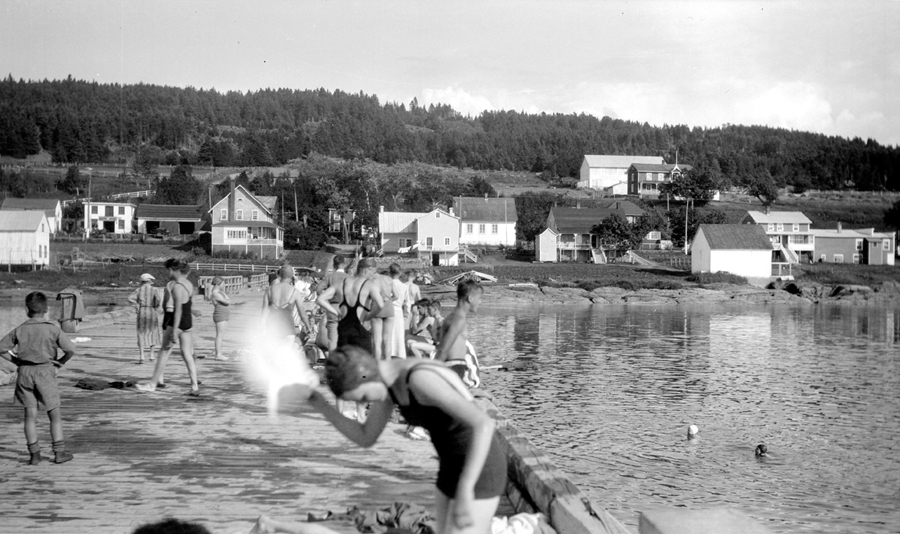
(176, 220)
(546, 245)
(24, 238)
(739, 249)
(52, 207)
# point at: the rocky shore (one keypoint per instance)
(775, 293)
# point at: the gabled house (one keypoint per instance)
(433, 236)
(789, 233)
(24, 238)
(573, 229)
(740, 249)
(644, 179)
(486, 221)
(111, 217)
(601, 171)
(243, 222)
(865, 246)
(50, 206)
(174, 220)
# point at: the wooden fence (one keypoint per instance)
(230, 284)
(233, 267)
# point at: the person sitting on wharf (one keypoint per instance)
(472, 467)
(177, 324)
(455, 350)
(429, 330)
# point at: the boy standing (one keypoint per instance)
(37, 341)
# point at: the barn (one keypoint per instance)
(24, 238)
(173, 220)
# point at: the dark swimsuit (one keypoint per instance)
(350, 330)
(451, 440)
(187, 321)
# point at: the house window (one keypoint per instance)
(859, 244)
(429, 242)
(94, 210)
(823, 257)
(470, 229)
(481, 228)
(42, 227)
(780, 227)
(406, 242)
(121, 224)
(254, 215)
(770, 227)
(108, 211)
(446, 241)
(239, 215)
(223, 215)
(856, 258)
(653, 236)
(237, 234)
(886, 245)
(838, 258)
(437, 215)
(121, 210)
(494, 228)
(796, 227)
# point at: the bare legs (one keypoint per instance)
(220, 333)
(482, 512)
(186, 342)
(143, 348)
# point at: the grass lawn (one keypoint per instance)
(832, 274)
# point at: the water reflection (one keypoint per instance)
(617, 387)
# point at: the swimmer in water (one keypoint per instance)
(692, 431)
(761, 451)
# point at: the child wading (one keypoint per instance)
(36, 342)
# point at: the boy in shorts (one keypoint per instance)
(36, 342)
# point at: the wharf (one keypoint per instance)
(219, 459)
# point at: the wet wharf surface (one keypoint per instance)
(219, 459)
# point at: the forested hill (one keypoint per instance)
(78, 121)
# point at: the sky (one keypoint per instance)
(831, 67)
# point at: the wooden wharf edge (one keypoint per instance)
(535, 484)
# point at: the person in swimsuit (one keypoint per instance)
(383, 321)
(177, 325)
(221, 313)
(472, 472)
(334, 279)
(454, 349)
(279, 303)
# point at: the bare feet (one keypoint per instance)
(143, 386)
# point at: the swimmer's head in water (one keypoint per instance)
(761, 450)
(692, 431)
(349, 367)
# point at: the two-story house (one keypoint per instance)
(789, 233)
(486, 221)
(111, 217)
(644, 179)
(865, 246)
(50, 206)
(602, 171)
(24, 238)
(572, 231)
(245, 223)
(433, 236)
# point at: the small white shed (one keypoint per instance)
(741, 249)
(24, 238)
(545, 246)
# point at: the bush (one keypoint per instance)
(717, 278)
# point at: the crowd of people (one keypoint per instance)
(370, 322)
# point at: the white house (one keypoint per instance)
(113, 217)
(739, 249)
(433, 236)
(245, 223)
(24, 238)
(600, 171)
(789, 232)
(486, 221)
(51, 206)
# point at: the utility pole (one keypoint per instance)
(687, 208)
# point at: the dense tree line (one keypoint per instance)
(79, 121)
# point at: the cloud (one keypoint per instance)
(459, 99)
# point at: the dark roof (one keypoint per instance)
(168, 212)
(485, 209)
(46, 204)
(664, 167)
(582, 220)
(735, 236)
(625, 207)
(248, 224)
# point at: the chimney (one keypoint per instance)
(380, 209)
(451, 210)
(839, 226)
(231, 201)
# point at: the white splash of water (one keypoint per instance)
(274, 363)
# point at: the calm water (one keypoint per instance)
(617, 388)
(12, 310)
